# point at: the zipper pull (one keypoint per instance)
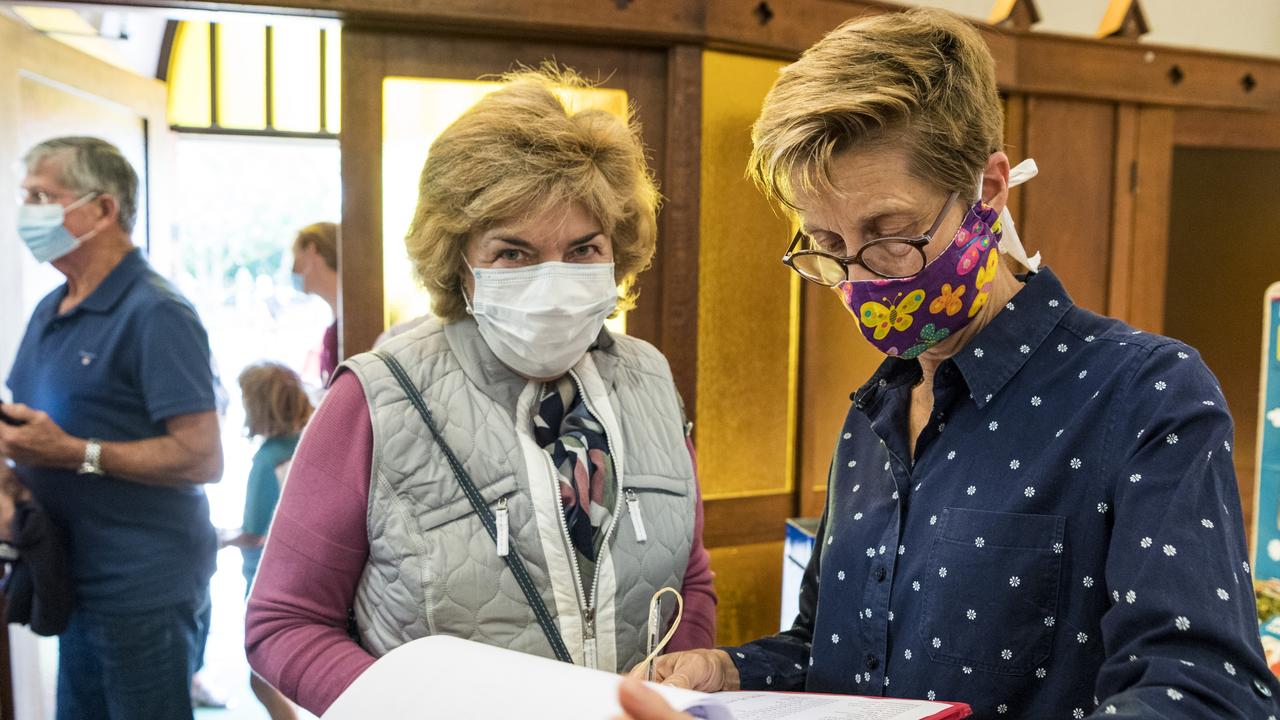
(589, 638)
(633, 509)
(504, 530)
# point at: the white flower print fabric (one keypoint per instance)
(1102, 573)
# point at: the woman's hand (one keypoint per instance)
(702, 670)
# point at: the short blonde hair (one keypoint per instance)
(275, 403)
(323, 236)
(921, 79)
(518, 152)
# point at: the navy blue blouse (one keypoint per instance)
(1066, 541)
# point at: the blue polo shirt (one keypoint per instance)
(116, 367)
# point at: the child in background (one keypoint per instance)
(276, 409)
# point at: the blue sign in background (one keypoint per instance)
(1266, 511)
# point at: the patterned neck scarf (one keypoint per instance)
(575, 441)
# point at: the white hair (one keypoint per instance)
(93, 165)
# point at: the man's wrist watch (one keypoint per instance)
(92, 464)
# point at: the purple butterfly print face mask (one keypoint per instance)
(904, 317)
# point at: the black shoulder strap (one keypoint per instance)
(478, 504)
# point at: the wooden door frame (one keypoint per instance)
(1142, 178)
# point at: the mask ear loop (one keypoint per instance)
(655, 606)
(1010, 243)
(466, 300)
(78, 204)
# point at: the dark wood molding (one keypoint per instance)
(678, 240)
(1025, 61)
(360, 287)
(744, 520)
(1197, 127)
(1123, 191)
(166, 49)
(1132, 72)
(1152, 184)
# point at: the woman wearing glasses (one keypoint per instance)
(508, 471)
(1031, 508)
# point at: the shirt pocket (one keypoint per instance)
(991, 596)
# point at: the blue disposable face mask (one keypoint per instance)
(41, 228)
(299, 283)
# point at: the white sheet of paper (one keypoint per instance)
(445, 678)
(799, 706)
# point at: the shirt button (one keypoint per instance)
(1262, 688)
(880, 574)
(872, 662)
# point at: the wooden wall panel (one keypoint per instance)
(1222, 256)
(749, 583)
(1015, 145)
(1153, 177)
(834, 362)
(1066, 210)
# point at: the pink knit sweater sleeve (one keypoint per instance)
(295, 626)
(698, 629)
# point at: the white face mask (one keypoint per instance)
(540, 320)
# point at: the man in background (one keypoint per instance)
(114, 395)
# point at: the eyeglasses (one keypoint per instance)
(37, 197)
(889, 257)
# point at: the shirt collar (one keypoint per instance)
(116, 283)
(1013, 336)
(997, 353)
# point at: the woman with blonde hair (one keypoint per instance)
(509, 471)
(1031, 509)
(276, 409)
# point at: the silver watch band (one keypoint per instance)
(92, 464)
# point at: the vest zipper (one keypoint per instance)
(584, 604)
(587, 602)
(637, 521)
(504, 529)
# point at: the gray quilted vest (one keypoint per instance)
(432, 568)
